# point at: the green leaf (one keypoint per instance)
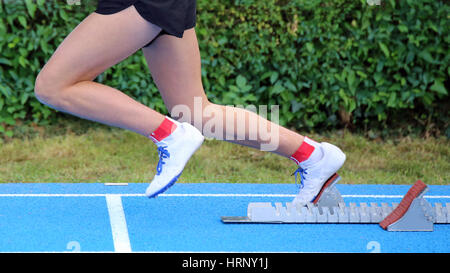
(289, 85)
(351, 78)
(63, 15)
(295, 106)
(22, 21)
(44, 45)
(241, 81)
(402, 28)
(361, 74)
(23, 62)
(384, 48)
(426, 56)
(352, 106)
(439, 87)
(409, 57)
(5, 90)
(5, 61)
(221, 80)
(392, 100)
(24, 98)
(273, 77)
(31, 7)
(277, 88)
(392, 3)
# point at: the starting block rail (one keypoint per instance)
(413, 213)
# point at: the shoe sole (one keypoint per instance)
(166, 187)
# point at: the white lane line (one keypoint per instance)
(118, 223)
(199, 195)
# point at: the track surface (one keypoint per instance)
(87, 217)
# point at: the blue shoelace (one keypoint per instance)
(302, 173)
(163, 153)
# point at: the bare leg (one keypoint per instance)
(176, 68)
(97, 43)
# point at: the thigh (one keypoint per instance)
(97, 43)
(176, 69)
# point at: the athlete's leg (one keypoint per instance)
(97, 43)
(176, 69)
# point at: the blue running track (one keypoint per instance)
(86, 217)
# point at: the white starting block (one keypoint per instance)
(413, 213)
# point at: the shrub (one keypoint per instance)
(327, 64)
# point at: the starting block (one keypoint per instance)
(413, 213)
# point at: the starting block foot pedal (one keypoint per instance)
(413, 213)
(329, 196)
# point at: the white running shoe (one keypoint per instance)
(314, 177)
(174, 152)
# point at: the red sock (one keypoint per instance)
(305, 151)
(163, 131)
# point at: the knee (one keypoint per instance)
(47, 91)
(42, 89)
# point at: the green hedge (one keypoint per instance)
(327, 64)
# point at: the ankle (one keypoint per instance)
(165, 129)
(308, 153)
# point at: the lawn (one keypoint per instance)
(74, 153)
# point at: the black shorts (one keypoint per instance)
(172, 16)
